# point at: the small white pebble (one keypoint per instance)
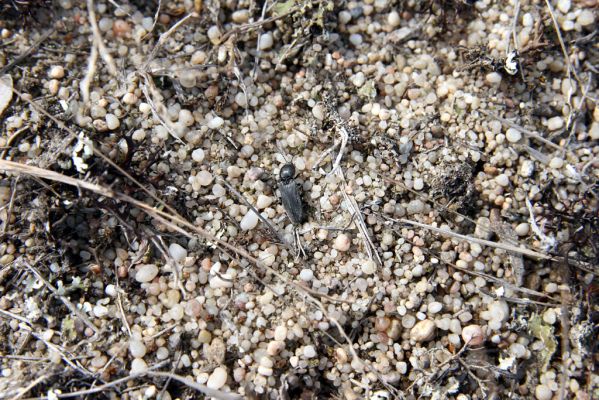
(556, 163)
(112, 122)
(137, 348)
(129, 98)
(318, 111)
(513, 135)
(56, 72)
(542, 392)
(564, 6)
(263, 201)
(216, 122)
(217, 378)
(435, 307)
(355, 39)
(146, 273)
(204, 178)
(502, 180)
(473, 335)
(266, 41)
(281, 333)
(138, 365)
(309, 351)
(306, 275)
(177, 252)
(197, 155)
(555, 123)
(342, 242)
(249, 221)
(493, 78)
(214, 34)
(522, 229)
(423, 331)
(586, 18)
(369, 267)
(393, 19)
(418, 184)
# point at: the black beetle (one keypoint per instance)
(291, 194)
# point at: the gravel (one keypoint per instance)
(465, 177)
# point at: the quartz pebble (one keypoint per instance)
(177, 252)
(112, 122)
(146, 273)
(473, 335)
(542, 392)
(137, 348)
(513, 135)
(423, 331)
(309, 351)
(204, 178)
(281, 333)
(197, 155)
(249, 221)
(555, 123)
(306, 275)
(56, 72)
(138, 365)
(216, 123)
(217, 378)
(342, 242)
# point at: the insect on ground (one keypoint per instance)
(291, 197)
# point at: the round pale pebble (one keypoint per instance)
(318, 111)
(564, 6)
(263, 201)
(555, 123)
(358, 79)
(137, 348)
(502, 180)
(177, 252)
(473, 335)
(369, 267)
(240, 16)
(522, 229)
(241, 100)
(112, 122)
(204, 178)
(393, 19)
(418, 184)
(435, 307)
(309, 351)
(513, 135)
(281, 333)
(493, 78)
(197, 155)
(586, 18)
(542, 392)
(306, 275)
(355, 39)
(342, 242)
(146, 273)
(556, 163)
(249, 221)
(214, 34)
(265, 371)
(217, 378)
(266, 41)
(56, 72)
(423, 331)
(129, 98)
(138, 365)
(216, 122)
(275, 347)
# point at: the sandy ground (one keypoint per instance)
(299, 199)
